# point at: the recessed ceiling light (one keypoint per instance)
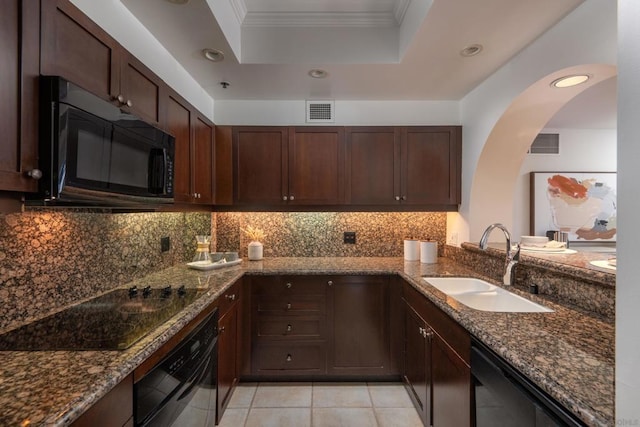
(317, 73)
(568, 81)
(471, 50)
(214, 55)
(178, 1)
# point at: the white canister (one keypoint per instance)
(255, 250)
(411, 250)
(428, 252)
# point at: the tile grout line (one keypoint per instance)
(373, 406)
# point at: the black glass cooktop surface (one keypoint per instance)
(114, 321)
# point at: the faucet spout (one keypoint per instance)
(511, 259)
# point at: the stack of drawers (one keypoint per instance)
(289, 322)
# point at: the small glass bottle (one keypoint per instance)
(202, 251)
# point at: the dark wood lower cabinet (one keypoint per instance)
(436, 363)
(322, 327)
(229, 327)
(113, 410)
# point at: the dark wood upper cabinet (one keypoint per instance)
(412, 167)
(316, 166)
(260, 157)
(19, 68)
(193, 162)
(76, 48)
(373, 165)
(431, 162)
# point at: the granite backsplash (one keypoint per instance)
(320, 234)
(53, 258)
(50, 259)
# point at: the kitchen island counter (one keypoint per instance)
(568, 353)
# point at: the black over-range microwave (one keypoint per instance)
(92, 153)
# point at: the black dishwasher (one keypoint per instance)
(180, 389)
(506, 398)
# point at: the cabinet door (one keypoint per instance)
(140, 89)
(358, 315)
(417, 364)
(316, 166)
(179, 125)
(75, 48)
(373, 165)
(451, 379)
(227, 358)
(202, 161)
(19, 37)
(260, 165)
(431, 165)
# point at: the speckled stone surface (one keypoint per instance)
(568, 279)
(51, 259)
(320, 234)
(567, 353)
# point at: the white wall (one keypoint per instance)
(586, 36)
(113, 17)
(237, 112)
(587, 150)
(627, 287)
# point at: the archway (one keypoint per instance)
(495, 177)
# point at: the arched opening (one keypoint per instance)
(496, 174)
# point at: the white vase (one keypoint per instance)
(255, 251)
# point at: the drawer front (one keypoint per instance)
(228, 298)
(303, 358)
(289, 285)
(291, 305)
(293, 327)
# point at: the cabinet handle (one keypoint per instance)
(120, 99)
(288, 306)
(221, 329)
(35, 174)
(291, 197)
(289, 358)
(289, 328)
(429, 334)
(403, 198)
(232, 297)
(285, 198)
(288, 285)
(397, 198)
(129, 103)
(330, 283)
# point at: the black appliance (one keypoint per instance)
(181, 388)
(92, 153)
(506, 398)
(113, 321)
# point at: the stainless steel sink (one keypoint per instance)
(484, 296)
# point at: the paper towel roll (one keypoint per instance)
(428, 252)
(411, 250)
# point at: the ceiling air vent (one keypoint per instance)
(545, 143)
(320, 112)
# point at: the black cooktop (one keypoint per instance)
(114, 321)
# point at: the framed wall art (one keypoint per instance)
(582, 204)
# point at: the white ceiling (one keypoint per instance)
(371, 49)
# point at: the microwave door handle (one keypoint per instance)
(157, 162)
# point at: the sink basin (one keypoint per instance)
(484, 296)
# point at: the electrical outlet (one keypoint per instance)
(453, 240)
(165, 244)
(350, 237)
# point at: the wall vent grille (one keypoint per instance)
(320, 112)
(545, 143)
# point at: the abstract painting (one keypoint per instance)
(582, 204)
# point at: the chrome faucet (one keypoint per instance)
(511, 259)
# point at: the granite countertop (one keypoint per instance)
(567, 353)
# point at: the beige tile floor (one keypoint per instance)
(320, 405)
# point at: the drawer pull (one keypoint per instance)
(288, 285)
(221, 329)
(289, 328)
(289, 358)
(232, 297)
(330, 283)
(289, 306)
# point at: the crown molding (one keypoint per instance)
(400, 10)
(321, 19)
(239, 9)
